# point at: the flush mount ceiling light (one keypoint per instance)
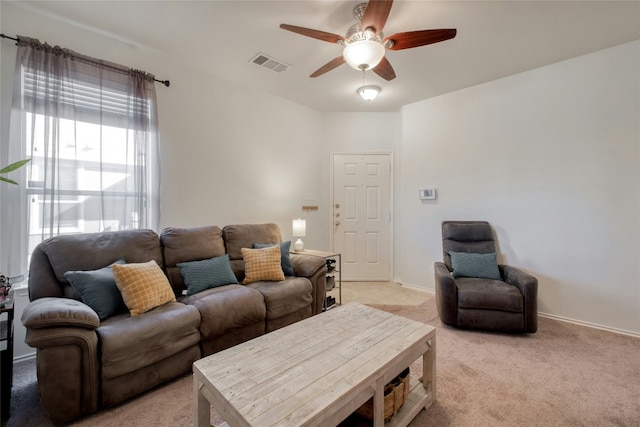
(369, 93)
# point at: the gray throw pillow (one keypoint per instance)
(285, 259)
(98, 290)
(475, 265)
(207, 273)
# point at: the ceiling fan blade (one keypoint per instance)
(420, 38)
(385, 70)
(316, 34)
(376, 14)
(334, 63)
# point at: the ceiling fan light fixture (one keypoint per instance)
(363, 54)
(369, 93)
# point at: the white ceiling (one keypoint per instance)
(495, 39)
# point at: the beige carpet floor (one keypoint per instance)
(564, 375)
(379, 293)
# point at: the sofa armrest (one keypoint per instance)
(528, 286)
(64, 333)
(53, 312)
(315, 269)
(446, 294)
(306, 265)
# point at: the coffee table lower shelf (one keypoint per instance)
(417, 399)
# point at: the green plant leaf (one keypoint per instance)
(10, 181)
(14, 166)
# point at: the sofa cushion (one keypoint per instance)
(69, 252)
(188, 244)
(262, 264)
(285, 258)
(488, 294)
(226, 309)
(241, 236)
(143, 286)
(475, 265)
(98, 290)
(285, 297)
(131, 343)
(207, 273)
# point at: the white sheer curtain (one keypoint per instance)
(90, 129)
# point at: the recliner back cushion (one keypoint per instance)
(92, 251)
(241, 236)
(466, 236)
(189, 244)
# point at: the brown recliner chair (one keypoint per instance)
(473, 291)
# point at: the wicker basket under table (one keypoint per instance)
(394, 395)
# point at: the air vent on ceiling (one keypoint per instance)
(272, 64)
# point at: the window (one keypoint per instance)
(90, 129)
(94, 179)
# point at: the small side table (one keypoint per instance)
(6, 358)
(338, 270)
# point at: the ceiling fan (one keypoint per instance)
(365, 45)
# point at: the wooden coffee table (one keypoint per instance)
(318, 371)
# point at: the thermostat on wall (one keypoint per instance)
(427, 193)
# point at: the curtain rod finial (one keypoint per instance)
(164, 82)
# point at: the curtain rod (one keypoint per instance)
(4, 36)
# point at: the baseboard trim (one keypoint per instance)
(590, 325)
(24, 357)
(415, 287)
(542, 314)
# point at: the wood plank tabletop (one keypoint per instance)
(314, 370)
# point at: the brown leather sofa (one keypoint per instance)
(85, 364)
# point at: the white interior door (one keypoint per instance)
(362, 215)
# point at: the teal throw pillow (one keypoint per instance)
(285, 259)
(475, 265)
(98, 290)
(207, 273)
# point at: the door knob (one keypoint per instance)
(337, 214)
(337, 222)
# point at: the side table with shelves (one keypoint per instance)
(331, 275)
(6, 358)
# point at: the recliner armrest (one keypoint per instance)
(528, 286)
(315, 269)
(446, 294)
(64, 333)
(525, 282)
(306, 265)
(59, 312)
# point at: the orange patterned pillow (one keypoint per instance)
(262, 264)
(143, 286)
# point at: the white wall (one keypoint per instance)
(551, 158)
(232, 155)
